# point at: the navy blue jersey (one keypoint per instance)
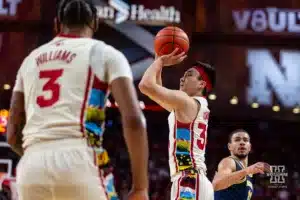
(240, 191)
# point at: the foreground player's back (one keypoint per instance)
(57, 79)
(62, 87)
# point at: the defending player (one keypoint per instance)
(61, 91)
(188, 122)
(234, 179)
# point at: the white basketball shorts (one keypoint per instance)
(60, 170)
(191, 186)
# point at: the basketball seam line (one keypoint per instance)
(172, 30)
(164, 45)
(173, 38)
(180, 37)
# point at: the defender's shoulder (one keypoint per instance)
(227, 162)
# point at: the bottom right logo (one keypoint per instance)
(278, 176)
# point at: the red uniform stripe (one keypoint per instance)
(100, 85)
(197, 186)
(86, 92)
(192, 144)
(175, 144)
(178, 189)
(183, 125)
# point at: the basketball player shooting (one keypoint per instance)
(60, 92)
(188, 122)
(234, 178)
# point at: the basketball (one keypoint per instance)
(170, 38)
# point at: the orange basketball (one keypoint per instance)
(170, 38)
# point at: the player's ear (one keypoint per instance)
(229, 146)
(202, 84)
(57, 26)
(95, 24)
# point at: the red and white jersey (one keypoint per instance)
(187, 141)
(65, 84)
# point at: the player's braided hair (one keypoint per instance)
(76, 13)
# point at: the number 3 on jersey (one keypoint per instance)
(51, 85)
(202, 141)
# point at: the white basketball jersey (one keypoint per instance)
(65, 84)
(187, 141)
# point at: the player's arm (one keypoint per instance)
(134, 128)
(226, 175)
(158, 77)
(119, 77)
(17, 117)
(167, 98)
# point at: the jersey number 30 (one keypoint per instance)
(51, 85)
(201, 142)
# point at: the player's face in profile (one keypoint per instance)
(190, 82)
(240, 145)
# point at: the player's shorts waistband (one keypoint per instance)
(57, 144)
(187, 172)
